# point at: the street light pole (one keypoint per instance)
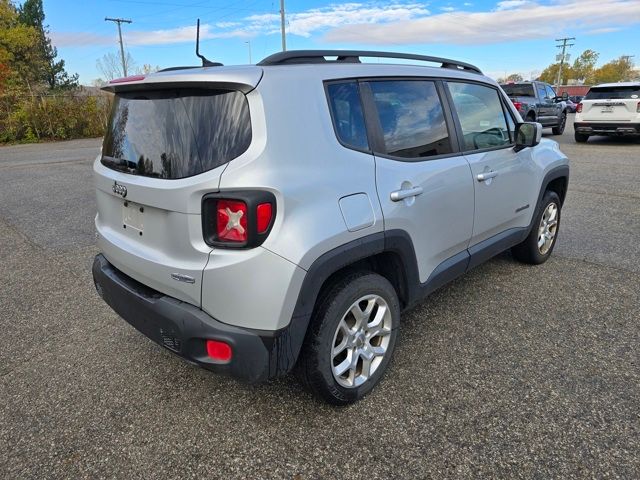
(248, 42)
(284, 38)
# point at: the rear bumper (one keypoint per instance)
(588, 128)
(183, 329)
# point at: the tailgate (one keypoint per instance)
(146, 237)
(610, 110)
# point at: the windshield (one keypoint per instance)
(606, 93)
(518, 89)
(176, 133)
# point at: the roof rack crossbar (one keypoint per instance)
(353, 56)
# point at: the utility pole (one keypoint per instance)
(284, 38)
(120, 21)
(562, 57)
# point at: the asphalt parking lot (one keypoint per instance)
(511, 371)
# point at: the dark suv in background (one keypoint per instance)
(538, 102)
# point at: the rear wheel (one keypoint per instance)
(538, 245)
(559, 130)
(351, 338)
(580, 137)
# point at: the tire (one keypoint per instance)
(559, 130)
(580, 137)
(530, 251)
(333, 325)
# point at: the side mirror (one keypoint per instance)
(528, 134)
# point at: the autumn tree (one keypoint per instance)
(618, 70)
(584, 65)
(18, 51)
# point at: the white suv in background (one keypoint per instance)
(609, 109)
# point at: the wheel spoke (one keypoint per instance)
(378, 351)
(342, 367)
(341, 346)
(366, 368)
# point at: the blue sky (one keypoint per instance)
(499, 36)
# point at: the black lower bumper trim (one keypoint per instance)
(183, 328)
(607, 128)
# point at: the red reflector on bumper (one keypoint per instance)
(218, 350)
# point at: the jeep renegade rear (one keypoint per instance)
(260, 218)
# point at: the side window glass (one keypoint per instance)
(481, 116)
(348, 119)
(551, 93)
(411, 117)
(542, 92)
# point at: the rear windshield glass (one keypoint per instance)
(605, 93)
(519, 89)
(176, 133)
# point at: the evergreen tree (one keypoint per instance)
(52, 73)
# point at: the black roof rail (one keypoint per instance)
(353, 56)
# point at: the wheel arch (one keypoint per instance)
(389, 254)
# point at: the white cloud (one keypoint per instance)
(530, 21)
(401, 23)
(308, 22)
(509, 4)
(448, 9)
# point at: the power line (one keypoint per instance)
(119, 21)
(562, 56)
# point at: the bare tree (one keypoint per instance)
(110, 65)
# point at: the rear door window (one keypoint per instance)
(481, 116)
(411, 118)
(346, 111)
(176, 133)
(518, 89)
(616, 92)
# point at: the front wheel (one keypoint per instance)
(559, 130)
(538, 245)
(351, 338)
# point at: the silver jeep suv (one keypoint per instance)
(253, 219)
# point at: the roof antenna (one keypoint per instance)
(205, 61)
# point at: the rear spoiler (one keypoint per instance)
(243, 79)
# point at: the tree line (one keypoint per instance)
(583, 70)
(39, 99)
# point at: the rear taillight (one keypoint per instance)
(239, 219)
(231, 221)
(264, 213)
(579, 108)
(518, 105)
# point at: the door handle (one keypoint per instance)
(486, 176)
(405, 193)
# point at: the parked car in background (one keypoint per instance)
(611, 109)
(576, 98)
(538, 102)
(571, 107)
